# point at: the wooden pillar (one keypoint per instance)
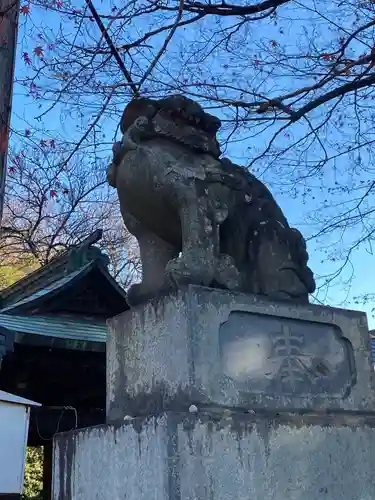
(47, 470)
(9, 11)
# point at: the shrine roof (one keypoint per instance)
(65, 303)
(53, 287)
(75, 282)
(56, 326)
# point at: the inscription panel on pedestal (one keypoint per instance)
(273, 355)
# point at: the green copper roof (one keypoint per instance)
(56, 326)
(64, 268)
(65, 303)
(52, 287)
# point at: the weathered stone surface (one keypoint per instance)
(200, 219)
(288, 356)
(186, 457)
(215, 347)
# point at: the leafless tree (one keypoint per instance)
(50, 206)
(292, 82)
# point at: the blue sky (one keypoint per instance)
(25, 109)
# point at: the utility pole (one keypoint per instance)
(9, 12)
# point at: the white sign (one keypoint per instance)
(14, 427)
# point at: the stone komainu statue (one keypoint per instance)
(200, 219)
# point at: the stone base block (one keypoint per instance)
(226, 349)
(196, 457)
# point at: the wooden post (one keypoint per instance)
(9, 12)
(47, 471)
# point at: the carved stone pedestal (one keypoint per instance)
(213, 395)
(224, 349)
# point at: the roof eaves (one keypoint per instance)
(59, 261)
(60, 327)
(12, 398)
(36, 275)
(112, 281)
(52, 289)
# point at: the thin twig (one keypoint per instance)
(114, 52)
(165, 44)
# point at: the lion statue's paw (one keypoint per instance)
(227, 274)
